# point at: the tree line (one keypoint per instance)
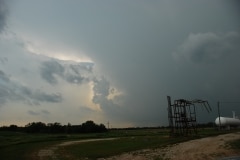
(40, 127)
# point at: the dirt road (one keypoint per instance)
(210, 148)
(49, 152)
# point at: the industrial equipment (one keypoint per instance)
(228, 122)
(182, 115)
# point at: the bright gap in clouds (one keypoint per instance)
(80, 96)
(61, 56)
(41, 49)
(66, 57)
(38, 47)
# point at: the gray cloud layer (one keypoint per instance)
(79, 73)
(3, 14)
(209, 47)
(210, 61)
(149, 49)
(37, 113)
(12, 91)
(72, 73)
(50, 69)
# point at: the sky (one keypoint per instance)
(117, 61)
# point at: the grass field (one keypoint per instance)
(21, 145)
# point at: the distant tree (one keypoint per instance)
(102, 128)
(40, 127)
(13, 127)
(68, 128)
(88, 126)
(35, 127)
(55, 128)
(91, 127)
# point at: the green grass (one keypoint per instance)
(128, 141)
(235, 144)
(19, 146)
(15, 145)
(99, 149)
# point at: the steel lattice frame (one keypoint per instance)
(182, 116)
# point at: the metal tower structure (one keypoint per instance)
(182, 116)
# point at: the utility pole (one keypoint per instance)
(219, 126)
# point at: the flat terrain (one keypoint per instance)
(206, 148)
(209, 148)
(123, 144)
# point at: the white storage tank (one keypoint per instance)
(227, 121)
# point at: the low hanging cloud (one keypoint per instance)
(44, 97)
(107, 98)
(3, 77)
(37, 113)
(3, 14)
(104, 95)
(13, 91)
(101, 88)
(3, 60)
(73, 73)
(51, 69)
(54, 71)
(208, 47)
(33, 113)
(82, 66)
(3, 90)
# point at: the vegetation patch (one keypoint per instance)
(98, 149)
(102, 149)
(234, 144)
(25, 146)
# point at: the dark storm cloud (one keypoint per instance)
(45, 112)
(3, 77)
(5, 92)
(74, 79)
(101, 87)
(72, 73)
(132, 44)
(210, 61)
(3, 95)
(124, 111)
(3, 14)
(87, 66)
(45, 97)
(33, 113)
(51, 69)
(13, 91)
(26, 91)
(36, 113)
(3, 60)
(209, 47)
(38, 96)
(102, 90)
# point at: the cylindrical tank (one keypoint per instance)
(226, 121)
